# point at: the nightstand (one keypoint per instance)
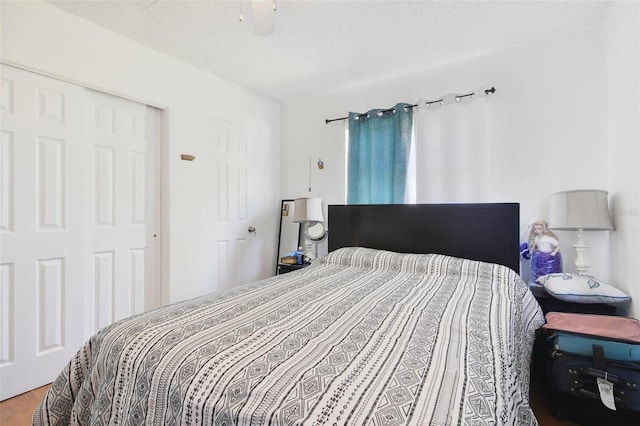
(284, 268)
(549, 303)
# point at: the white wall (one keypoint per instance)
(624, 147)
(547, 129)
(43, 38)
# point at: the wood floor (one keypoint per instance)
(538, 401)
(17, 411)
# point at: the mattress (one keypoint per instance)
(361, 337)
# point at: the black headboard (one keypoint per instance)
(488, 232)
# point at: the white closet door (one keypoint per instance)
(41, 258)
(121, 211)
(79, 220)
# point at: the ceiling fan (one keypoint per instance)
(263, 16)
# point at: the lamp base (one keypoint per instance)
(581, 263)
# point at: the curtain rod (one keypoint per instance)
(427, 103)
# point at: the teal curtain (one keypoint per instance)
(379, 147)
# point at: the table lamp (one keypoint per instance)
(580, 210)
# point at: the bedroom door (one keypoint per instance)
(78, 215)
(228, 204)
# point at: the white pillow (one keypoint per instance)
(581, 289)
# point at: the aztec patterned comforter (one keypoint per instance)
(361, 337)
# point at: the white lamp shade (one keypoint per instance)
(308, 210)
(585, 209)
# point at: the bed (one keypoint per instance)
(363, 336)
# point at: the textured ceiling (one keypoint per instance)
(327, 45)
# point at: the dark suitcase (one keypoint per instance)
(577, 410)
(573, 389)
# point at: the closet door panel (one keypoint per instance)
(41, 232)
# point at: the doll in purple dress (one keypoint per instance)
(544, 249)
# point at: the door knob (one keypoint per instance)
(252, 229)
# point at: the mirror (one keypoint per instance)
(316, 232)
(290, 231)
